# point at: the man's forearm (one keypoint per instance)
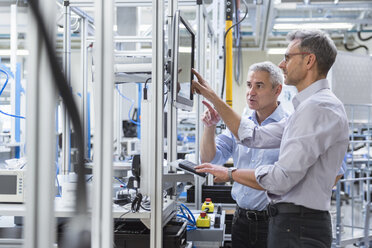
(247, 178)
(208, 145)
(228, 115)
(338, 177)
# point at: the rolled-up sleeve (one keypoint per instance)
(276, 173)
(225, 145)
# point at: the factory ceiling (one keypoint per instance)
(268, 21)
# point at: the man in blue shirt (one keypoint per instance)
(250, 223)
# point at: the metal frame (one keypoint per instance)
(66, 133)
(41, 99)
(172, 112)
(156, 220)
(359, 196)
(102, 221)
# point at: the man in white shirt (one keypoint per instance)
(312, 141)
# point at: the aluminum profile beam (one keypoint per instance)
(78, 11)
(172, 111)
(128, 3)
(321, 20)
(355, 5)
(41, 140)
(84, 80)
(265, 30)
(156, 220)
(199, 106)
(66, 135)
(13, 66)
(102, 222)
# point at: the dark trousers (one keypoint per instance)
(300, 230)
(249, 230)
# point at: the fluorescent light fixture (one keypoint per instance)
(20, 52)
(182, 49)
(280, 51)
(285, 6)
(292, 26)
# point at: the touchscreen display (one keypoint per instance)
(184, 62)
(8, 184)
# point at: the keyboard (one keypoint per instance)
(189, 166)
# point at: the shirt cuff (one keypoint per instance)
(246, 128)
(259, 173)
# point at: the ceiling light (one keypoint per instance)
(280, 51)
(20, 52)
(292, 26)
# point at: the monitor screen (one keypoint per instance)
(182, 62)
(8, 184)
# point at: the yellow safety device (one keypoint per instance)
(229, 62)
(208, 206)
(203, 220)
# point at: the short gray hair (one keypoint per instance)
(276, 74)
(318, 43)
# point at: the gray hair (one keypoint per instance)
(318, 43)
(276, 74)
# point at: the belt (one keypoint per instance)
(252, 214)
(289, 208)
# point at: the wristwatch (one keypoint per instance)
(230, 170)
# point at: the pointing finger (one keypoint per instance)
(198, 76)
(211, 109)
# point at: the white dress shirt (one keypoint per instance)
(312, 141)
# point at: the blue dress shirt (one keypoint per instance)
(244, 157)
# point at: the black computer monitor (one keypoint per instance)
(182, 62)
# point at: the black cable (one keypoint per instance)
(146, 209)
(77, 235)
(360, 35)
(121, 216)
(224, 47)
(136, 203)
(363, 39)
(145, 89)
(354, 48)
(147, 80)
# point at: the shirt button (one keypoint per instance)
(288, 230)
(252, 160)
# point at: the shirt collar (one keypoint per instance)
(276, 116)
(309, 91)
